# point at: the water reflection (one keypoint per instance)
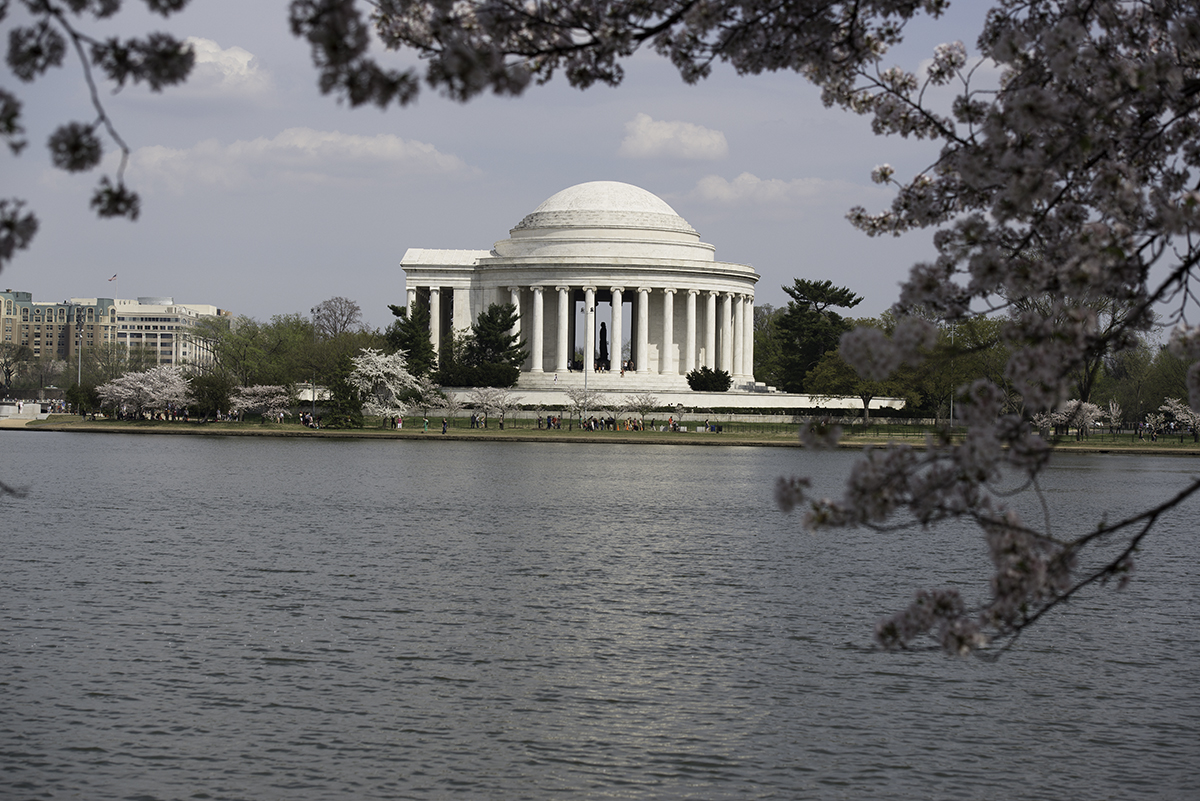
(233, 618)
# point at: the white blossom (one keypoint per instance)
(158, 389)
(1183, 413)
(948, 59)
(383, 379)
(269, 400)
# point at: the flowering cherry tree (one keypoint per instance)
(494, 400)
(269, 400)
(1076, 414)
(158, 389)
(383, 379)
(1185, 415)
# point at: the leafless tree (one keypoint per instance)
(642, 403)
(336, 316)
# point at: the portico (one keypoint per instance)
(600, 252)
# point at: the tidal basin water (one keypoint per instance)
(235, 618)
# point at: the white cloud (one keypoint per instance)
(296, 156)
(228, 71)
(650, 138)
(750, 190)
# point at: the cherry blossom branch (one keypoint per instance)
(1121, 564)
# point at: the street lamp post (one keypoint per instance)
(78, 357)
(587, 357)
(953, 329)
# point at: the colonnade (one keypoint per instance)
(716, 329)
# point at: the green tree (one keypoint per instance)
(236, 346)
(409, 333)
(493, 340)
(211, 392)
(833, 377)
(489, 355)
(1167, 377)
(83, 397)
(809, 328)
(285, 345)
(768, 345)
(966, 350)
(345, 400)
(1110, 332)
(705, 379)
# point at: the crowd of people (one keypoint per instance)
(1168, 429)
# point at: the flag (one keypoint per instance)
(114, 278)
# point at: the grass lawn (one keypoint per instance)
(777, 434)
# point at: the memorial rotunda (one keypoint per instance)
(595, 265)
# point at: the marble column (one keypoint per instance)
(726, 360)
(689, 348)
(435, 319)
(748, 339)
(412, 299)
(589, 331)
(564, 313)
(710, 331)
(739, 333)
(460, 310)
(643, 330)
(666, 364)
(615, 330)
(514, 293)
(536, 345)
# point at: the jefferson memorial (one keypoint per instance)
(595, 266)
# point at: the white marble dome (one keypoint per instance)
(604, 220)
(605, 204)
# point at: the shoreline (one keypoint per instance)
(724, 439)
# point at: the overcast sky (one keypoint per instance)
(261, 196)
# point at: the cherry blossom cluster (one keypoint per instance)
(157, 389)
(384, 381)
(269, 400)
(1074, 414)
